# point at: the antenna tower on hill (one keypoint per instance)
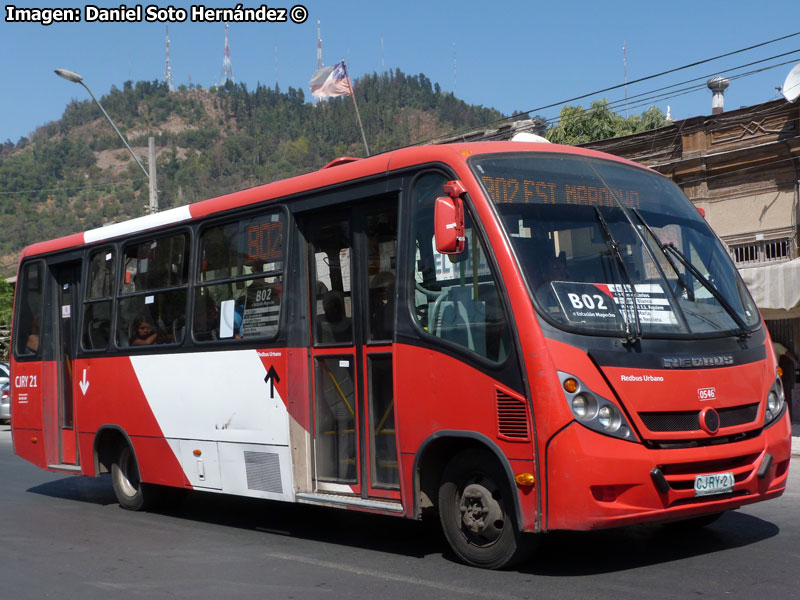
(227, 67)
(168, 68)
(319, 47)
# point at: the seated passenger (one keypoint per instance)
(143, 333)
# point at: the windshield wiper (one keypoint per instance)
(689, 289)
(744, 331)
(613, 245)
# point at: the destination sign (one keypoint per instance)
(529, 191)
(265, 241)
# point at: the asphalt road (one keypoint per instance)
(65, 537)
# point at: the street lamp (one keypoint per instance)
(151, 175)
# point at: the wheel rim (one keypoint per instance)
(480, 506)
(128, 477)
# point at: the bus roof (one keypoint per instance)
(337, 171)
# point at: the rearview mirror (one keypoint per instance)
(448, 218)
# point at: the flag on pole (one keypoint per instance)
(331, 81)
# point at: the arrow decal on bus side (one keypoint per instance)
(271, 378)
(83, 383)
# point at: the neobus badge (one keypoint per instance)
(695, 362)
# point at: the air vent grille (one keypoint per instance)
(263, 472)
(512, 418)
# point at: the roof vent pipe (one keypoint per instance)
(718, 85)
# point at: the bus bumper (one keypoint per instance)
(595, 481)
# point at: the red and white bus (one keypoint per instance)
(524, 337)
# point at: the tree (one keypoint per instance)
(577, 125)
(6, 304)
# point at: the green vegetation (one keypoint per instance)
(75, 174)
(577, 125)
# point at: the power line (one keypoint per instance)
(647, 98)
(614, 87)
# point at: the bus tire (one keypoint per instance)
(131, 493)
(476, 510)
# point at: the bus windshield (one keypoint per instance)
(612, 249)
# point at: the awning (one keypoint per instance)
(775, 288)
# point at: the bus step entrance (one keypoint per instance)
(340, 501)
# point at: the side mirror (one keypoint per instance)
(448, 219)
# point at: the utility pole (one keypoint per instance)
(151, 175)
(151, 162)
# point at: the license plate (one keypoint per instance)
(715, 483)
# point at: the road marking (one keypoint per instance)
(452, 589)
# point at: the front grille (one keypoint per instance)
(681, 476)
(672, 421)
(738, 415)
(690, 420)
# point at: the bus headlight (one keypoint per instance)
(584, 406)
(608, 417)
(776, 403)
(593, 411)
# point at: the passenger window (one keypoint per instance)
(333, 316)
(30, 296)
(97, 307)
(381, 260)
(456, 297)
(152, 303)
(240, 281)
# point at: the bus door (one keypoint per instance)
(59, 406)
(352, 273)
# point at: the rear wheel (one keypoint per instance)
(131, 493)
(477, 512)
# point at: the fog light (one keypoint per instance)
(609, 493)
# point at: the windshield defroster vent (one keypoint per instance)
(512, 418)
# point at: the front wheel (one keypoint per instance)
(130, 491)
(476, 509)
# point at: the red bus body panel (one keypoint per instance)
(437, 392)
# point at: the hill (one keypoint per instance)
(75, 173)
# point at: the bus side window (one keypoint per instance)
(240, 281)
(455, 297)
(30, 296)
(153, 291)
(97, 305)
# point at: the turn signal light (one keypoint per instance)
(197, 453)
(525, 479)
(571, 385)
(780, 372)
(34, 440)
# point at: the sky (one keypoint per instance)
(512, 56)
